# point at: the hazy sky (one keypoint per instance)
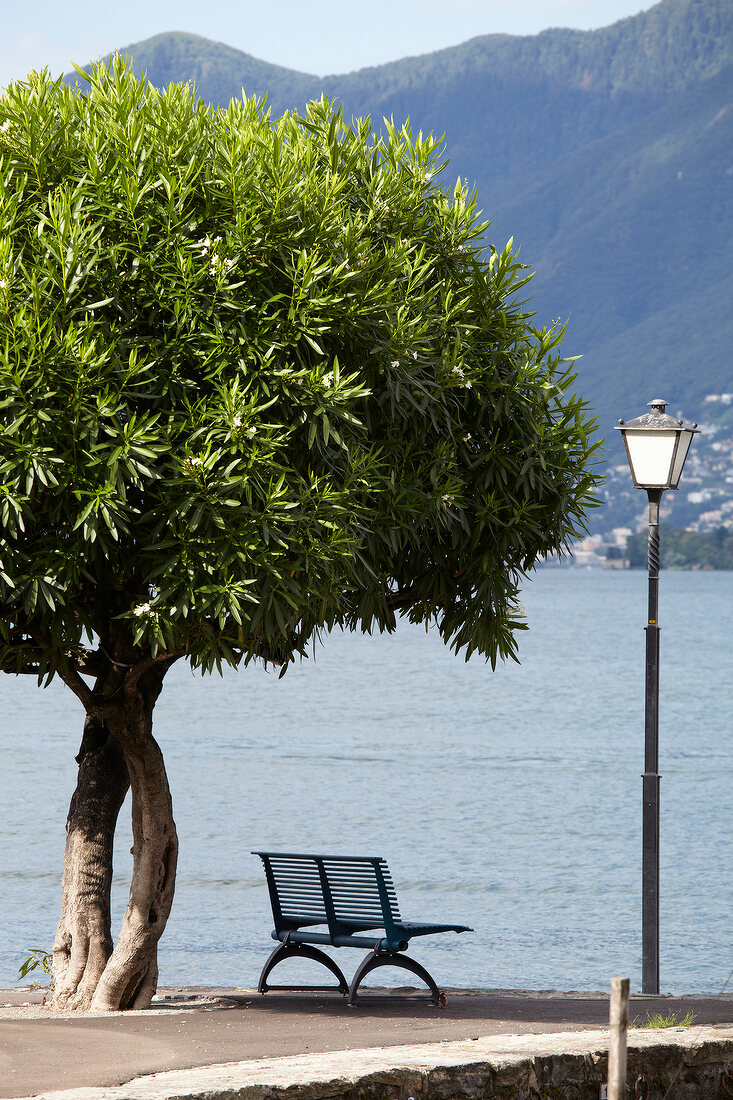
(316, 36)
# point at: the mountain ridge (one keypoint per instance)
(606, 154)
(706, 38)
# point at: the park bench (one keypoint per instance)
(351, 895)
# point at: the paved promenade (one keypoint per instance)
(241, 1033)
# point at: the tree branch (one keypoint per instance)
(403, 598)
(83, 692)
(132, 677)
(93, 663)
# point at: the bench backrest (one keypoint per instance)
(345, 892)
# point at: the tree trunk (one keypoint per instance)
(83, 941)
(131, 975)
(118, 752)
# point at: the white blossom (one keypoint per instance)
(237, 421)
(79, 653)
(457, 371)
(395, 363)
(468, 385)
(195, 462)
(217, 263)
(142, 609)
(327, 380)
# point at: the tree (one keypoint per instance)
(683, 549)
(257, 380)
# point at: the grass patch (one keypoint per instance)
(667, 1019)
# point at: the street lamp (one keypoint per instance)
(656, 448)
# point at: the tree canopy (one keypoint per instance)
(258, 379)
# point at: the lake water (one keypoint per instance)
(507, 800)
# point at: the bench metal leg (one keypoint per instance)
(394, 958)
(304, 951)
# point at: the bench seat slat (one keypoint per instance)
(339, 902)
(359, 898)
(341, 914)
(344, 895)
(297, 905)
(345, 887)
(352, 872)
(358, 885)
(369, 903)
(356, 907)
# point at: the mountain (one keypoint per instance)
(607, 155)
(219, 72)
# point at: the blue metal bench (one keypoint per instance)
(351, 895)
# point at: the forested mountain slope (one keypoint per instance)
(607, 154)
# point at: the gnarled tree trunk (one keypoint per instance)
(131, 975)
(118, 752)
(83, 941)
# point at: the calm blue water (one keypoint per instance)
(508, 800)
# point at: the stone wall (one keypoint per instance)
(693, 1063)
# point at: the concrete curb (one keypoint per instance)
(697, 1062)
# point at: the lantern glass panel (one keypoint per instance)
(679, 458)
(651, 455)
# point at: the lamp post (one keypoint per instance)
(656, 449)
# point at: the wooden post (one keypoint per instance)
(618, 1025)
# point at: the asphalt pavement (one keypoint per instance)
(41, 1052)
